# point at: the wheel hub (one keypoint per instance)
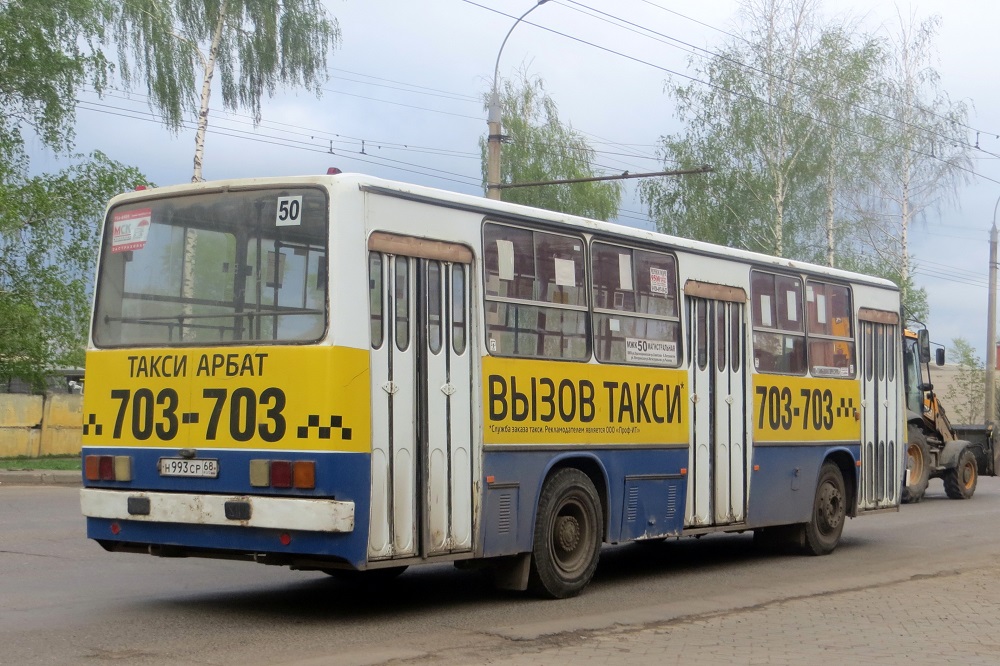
(567, 533)
(829, 508)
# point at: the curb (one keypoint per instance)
(40, 478)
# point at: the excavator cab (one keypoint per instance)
(933, 449)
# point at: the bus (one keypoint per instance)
(345, 374)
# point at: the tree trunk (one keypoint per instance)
(190, 235)
(206, 94)
(830, 184)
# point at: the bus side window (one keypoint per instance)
(375, 298)
(458, 308)
(831, 332)
(779, 341)
(535, 293)
(434, 309)
(402, 303)
(635, 306)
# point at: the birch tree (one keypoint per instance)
(926, 153)
(539, 147)
(967, 393)
(254, 46)
(840, 75)
(750, 121)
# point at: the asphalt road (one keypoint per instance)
(63, 600)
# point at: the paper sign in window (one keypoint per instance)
(625, 272)
(820, 308)
(659, 281)
(651, 352)
(765, 311)
(129, 229)
(793, 310)
(565, 272)
(614, 325)
(505, 259)
(275, 269)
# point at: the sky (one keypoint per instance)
(404, 102)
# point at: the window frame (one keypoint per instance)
(104, 296)
(775, 329)
(852, 339)
(806, 281)
(674, 319)
(584, 309)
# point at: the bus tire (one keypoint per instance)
(918, 469)
(960, 481)
(822, 532)
(569, 529)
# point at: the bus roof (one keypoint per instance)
(505, 209)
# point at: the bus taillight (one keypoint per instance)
(108, 468)
(300, 474)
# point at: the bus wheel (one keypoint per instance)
(569, 529)
(366, 577)
(960, 482)
(822, 532)
(917, 466)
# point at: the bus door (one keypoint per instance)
(881, 446)
(421, 501)
(716, 493)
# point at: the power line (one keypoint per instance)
(727, 91)
(706, 53)
(743, 39)
(299, 145)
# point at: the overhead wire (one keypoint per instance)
(743, 39)
(724, 90)
(635, 28)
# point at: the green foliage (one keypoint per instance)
(257, 45)
(966, 397)
(913, 299)
(539, 148)
(49, 235)
(49, 49)
(814, 133)
(754, 124)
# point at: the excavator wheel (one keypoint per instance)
(917, 466)
(960, 482)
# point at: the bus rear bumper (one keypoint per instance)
(284, 513)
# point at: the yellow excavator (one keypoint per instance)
(935, 448)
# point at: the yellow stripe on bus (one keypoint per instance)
(803, 409)
(545, 402)
(299, 398)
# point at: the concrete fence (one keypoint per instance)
(40, 425)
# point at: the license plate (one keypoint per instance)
(204, 468)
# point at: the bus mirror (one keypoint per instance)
(924, 345)
(939, 356)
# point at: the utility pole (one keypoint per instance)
(991, 336)
(495, 136)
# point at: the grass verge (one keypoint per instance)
(18, 463)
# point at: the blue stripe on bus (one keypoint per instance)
(782, 489)
(350, 547)
(339, 475)
(649, 477)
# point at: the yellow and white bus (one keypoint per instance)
(352, 375)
